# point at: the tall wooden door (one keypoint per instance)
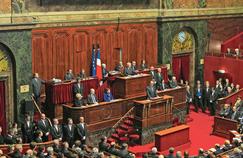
(3, 106)
(181, 66)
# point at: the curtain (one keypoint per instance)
(2, 106)
(176, 67)
(185, 67)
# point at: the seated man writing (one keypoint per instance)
(92, 99)
(78, 101)
(151, 91)
(226, 111)
(108, 96)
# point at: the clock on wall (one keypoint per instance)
(181, 36)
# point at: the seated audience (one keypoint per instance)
(218, 149)
(226, 111)
(107, 95)
(200, 153)
(10, 137)
(123, 152)
(40, 152)
(66, 152)
(227, 146)
(82, 74)
(143, 65)
(232, 86)
(178, 154)
(29, 154)
(171, 153)
(39, 135)
(112, 149)
(119, 67)
(1, 136)
(69, 75)
(92, 99)
(50, 152)
(56, 146)
(78, 101)
(151, 91)
(56, 130)
(153, 153)
(237, 153)
(44, 126)
(103, 145)
(129, 70)
(186, 154)
(173, 82)
(237, 88)
(18, 151)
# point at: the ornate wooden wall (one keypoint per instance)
(54, 50)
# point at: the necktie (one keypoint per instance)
(56, 128)
(93, 98)
(44, 122)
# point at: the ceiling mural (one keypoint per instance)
(182, 43)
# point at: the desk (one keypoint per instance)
(97, 116)
(222, 126)
(131, 86)
(172, 137)
(153, 112)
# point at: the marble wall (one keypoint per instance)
(167, 31)
(19, 43)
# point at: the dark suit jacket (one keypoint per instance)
(206, 93)
(123, 153)
(129, 71)
(152, 73)
(172, 84)
(44, 128)
(27, 131)
(77, 89)
(143, 66)
(213, 97)
(81, 131)
(151, 92)
(104, 73)
(163, 86)
(36, 86)
(82, 75)
(1, 139)
(68, 134)
(188, 96)
(17, 154)
(56, 134)
(38, 140)
(89, 99)
(68, 76)
(10, 140)
(103, 146)
(158, 79)
(78, 103)
(134, 68)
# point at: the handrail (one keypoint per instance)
(231, 95)
(39, 110)
(123, 117)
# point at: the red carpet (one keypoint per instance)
(200, 130)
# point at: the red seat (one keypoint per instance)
(134, 136)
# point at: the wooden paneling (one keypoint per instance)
(55, 50)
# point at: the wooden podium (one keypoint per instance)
(131, 86)
(153, 112)
(172, 137)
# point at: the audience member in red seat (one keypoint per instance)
(227, 146)
(178, 154)
(200, 153)
(78, 87)
(199, 99)
(56, 130)
(206, 95)
(232, 86)
(69, 75)
(218, 149)
(56, 146)
(237, 153)
(18, 151)
(171, 153)
(1, 136)
(78, 101)
(226, 111)
(228, 91)
(40, 152)
(173, 82)
(82, 131)
(107, 95)
(163, 85)
(92, 99)
(158, 78)
(44, 126)
(188, 99)
(151, 91)
(39, 136)
(29, 154)
(50, 152)
(123, 153)
(143, 65)
(112, 149)
(186, 154)
(82, 74)
(153, 153)
(237, 88)
(212, 101)
(69, 131)
(103, 145)
(27, 129)
(10, 138)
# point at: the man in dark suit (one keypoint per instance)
(143, 65)
(163, 85)
(82, 74)
(39, 135)
(119, 67)
(105, 73)
(69, 75)
(1, 136)
(226, 111)
(78, 87)
(18, 151)
(36, 86)
(151, 91)
(171, 153)
(56, 130)
(128, 70)
(81, 130)
(152, 72)
(198, 98)
(112, 149)
(44, 126)
(134, 67)
(103, 145)
(78, 101)
(188, 99)
(27, 129)
(10, 138)
(92, 99)
(206, 94)
(173, 82)
(213, 99)
(124, 151)
(69, 131)
(158, 78)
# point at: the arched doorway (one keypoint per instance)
(183, 56)
(7, 92)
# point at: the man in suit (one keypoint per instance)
(152, 72)
(212, 100)
(188, 99)
(226, 111)
(103, 145)
(44, 126)
(134, 66)
(112, 149)
(78, 101)
(129, 70)
(1, 136)
(105, 73)
(143, 65)
(78, 87)
(158, 78)
(206, 94)
(151, 91)
(10, 138)
(81, 130)
(119, 67)
(39, 135)
(108, 96)
(69, 75)
(173, 82)
(124, 151)
(27, 129)
(82, 74)
(92, 99)
(18, 151)
(163, 85)
(36, 86)
(69, 131)
(56, 130)
(198, 98)
(171, 153)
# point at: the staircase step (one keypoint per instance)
(126, 127)
(124, 139)
(121, 131)
(115, 135)
(109, 140)
(130, 118)
(128, 122)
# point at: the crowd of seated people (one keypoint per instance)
(230, 52)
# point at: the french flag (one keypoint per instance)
(93, 64)
(98, 65)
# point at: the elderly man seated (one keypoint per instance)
(226, 111)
